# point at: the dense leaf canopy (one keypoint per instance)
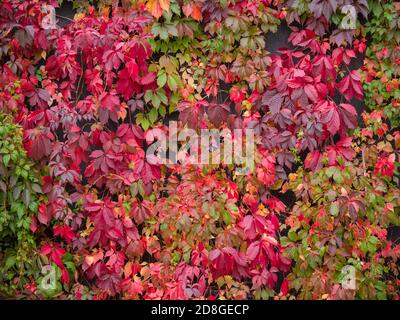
(82, 100)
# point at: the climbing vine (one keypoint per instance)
(83, 99)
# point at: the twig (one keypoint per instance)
(65, 18)
(363, 161)
(78, 88)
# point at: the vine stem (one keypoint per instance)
(363, 161)
(65, 18)
(78, 88)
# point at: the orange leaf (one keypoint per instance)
(156, 7)
(196, 12)
(164, 4)
(128, 269)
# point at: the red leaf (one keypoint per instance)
(285, 287)
(348, 115)
(43, 215)
(128, 80)
(148, 78)
(351, 86)
(33, 225)
(192, 113)
(65, 232)
(273, 100)
(311, 92)
(313, 161)
(113, 58)
(330, 116)
(218, 113)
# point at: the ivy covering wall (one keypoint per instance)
(82, 100)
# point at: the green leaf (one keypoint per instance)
(163, 33)
(145, 124)
(162, 96)
(36, 188)
(172, 83)
(148, 96)
(373, 240)
(156, 101)
(6, 159)
(172, 30)
(26, 196)
(292, 235)
(334, 209)
(337, 176)
(161, 79)
(16, 192)
(139, 118)
(162, 111)
(141, 188)
(10, 262)
(330, 171)
(174, 99)
(226, 217)
(153, 115)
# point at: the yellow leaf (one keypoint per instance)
(89, 260)
(128, 269)
(228, 281)
(164, 4)
(397, 141)
(278, 185)
(156, 7)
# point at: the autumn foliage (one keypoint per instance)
(81, 102)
